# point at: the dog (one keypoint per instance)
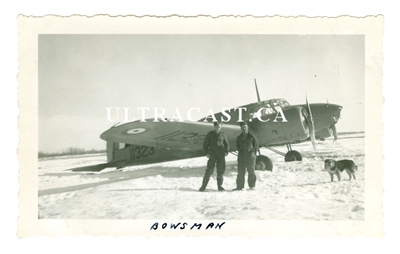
(336, 167)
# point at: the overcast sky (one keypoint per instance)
(82, 75)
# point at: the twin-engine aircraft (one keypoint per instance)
(274, 122)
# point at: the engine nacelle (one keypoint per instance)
(287, 126)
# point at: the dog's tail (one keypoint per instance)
(355, 168)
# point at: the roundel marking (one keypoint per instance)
(136, 131)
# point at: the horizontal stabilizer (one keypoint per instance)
(96, 168)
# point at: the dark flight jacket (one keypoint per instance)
(216, 143)
(247, 146)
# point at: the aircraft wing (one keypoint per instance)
(174, 135)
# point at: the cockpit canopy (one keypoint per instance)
(267, 107)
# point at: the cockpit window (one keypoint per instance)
(280, 102)
(268, 110)
(263, 108)
(283, 104)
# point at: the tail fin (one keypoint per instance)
(111, 147)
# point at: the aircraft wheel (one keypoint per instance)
(264, 163)
(293, 156)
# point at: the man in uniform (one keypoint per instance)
(216, 147)
(247, 146)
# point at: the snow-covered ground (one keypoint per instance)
(292, 191)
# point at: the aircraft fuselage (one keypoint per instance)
(279, 124)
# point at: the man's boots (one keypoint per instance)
(220, 180)
(204, 184)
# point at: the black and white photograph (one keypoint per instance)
(123, 127)
(202, 131)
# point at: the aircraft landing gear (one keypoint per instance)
(293, 156)
(263, 163)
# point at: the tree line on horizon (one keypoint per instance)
(70, 151)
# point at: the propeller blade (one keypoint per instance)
(258, 95)
(311, 126)
(335, 135)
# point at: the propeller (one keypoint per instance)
(335, 135)
(333, 126)
(258, 95)
(311, 126)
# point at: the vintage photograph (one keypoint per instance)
(302, 99)
(194, 130)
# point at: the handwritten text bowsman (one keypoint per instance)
(185, 225)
